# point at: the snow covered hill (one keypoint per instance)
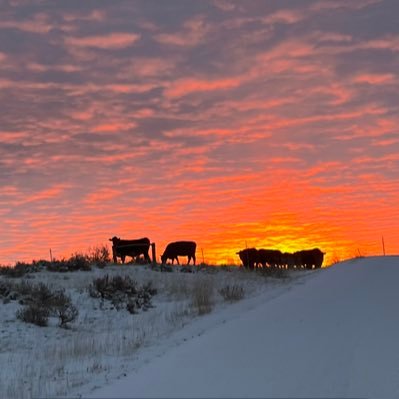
(335, 335)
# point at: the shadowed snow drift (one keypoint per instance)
(335, 335)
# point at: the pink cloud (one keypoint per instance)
(110, 41)
(225, 5)
(342, 4)
(113, 127)
(182, 87)
(49, 193)
(98, 197)
(38, 26)
(94, 15)
(375, 78)
(33, 66)
(285, 16)
(149, 67)
(128, 87)
(194, 32)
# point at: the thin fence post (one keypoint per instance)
(246, 247)
(154, 257)
(51, 256)
(383, 245)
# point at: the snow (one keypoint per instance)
(334, 334)
(324, 333)
(104, 344)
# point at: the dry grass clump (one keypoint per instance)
(274, 272)
(99, 255)
(202, 296)
(232, 293)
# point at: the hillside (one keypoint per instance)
(333, 335)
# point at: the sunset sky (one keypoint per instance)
(232, 123)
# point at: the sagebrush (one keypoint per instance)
(123, 292)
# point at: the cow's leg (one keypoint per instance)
(177, 260)
(123, 257)
(194, 259)
(147, 257)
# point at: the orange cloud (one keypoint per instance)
(113, 127)
(50, 193)
(98, 197)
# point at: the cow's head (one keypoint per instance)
(115, 240)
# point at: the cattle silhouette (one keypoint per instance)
(269, 257)
(122, 248)
(309, 258)
(252, 258)
(249, 257)
(179, 248)
(288, 260)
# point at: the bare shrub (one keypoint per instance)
(41, 294)
(123, 292)
(34, 314)
(41, 302)
(99, 255)
(232, 293)
(76, 262)
(19, 270)
(106, 287)
(5, 289)
(61, 305)
(28, 293)
(202, 296)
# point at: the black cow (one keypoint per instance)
(249, 257)
(133, 248)
(269, 257)
(309, 258)
(288, 260)
(179, 248)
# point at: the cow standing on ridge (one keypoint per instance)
(249, 257)
(269, 257)
(179, 248)
(132, 248)
(309, 258)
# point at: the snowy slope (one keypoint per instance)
(335, 335)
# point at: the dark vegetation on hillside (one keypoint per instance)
(96, 257)
(123, 292)
(39, 302)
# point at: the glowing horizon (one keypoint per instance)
(258, 123)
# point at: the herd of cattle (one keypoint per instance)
(251, 258)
